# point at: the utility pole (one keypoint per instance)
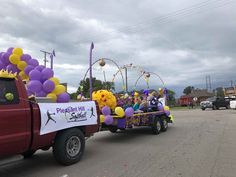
(126, 79)
(51, 54)
(208, 82)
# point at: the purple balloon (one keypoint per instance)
(35, 75)
(33, 62)
(12, 68)
(63, 98)
(35, 86)
(108, 120)
(41, 94)
(106, 111)
(47, 73)
(28, 69)
(9, 50)
(48, 86)
(2, 65)
(40, 67)
(5, 58)
(25, 57)
(167, 113)
(129, 112)
(1, 54)
(146, 92)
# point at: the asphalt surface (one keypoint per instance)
(198, 144)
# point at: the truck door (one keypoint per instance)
(14, 119)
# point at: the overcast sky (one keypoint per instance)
(182, 41)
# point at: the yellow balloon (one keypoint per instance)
(166, 108)
(136, 94)
(59, 89)
(52, 96)
(23, 75)
(55, 80)
(14, 59)
(21, 65)
(17, 51)
(102, 118)
(120, 111)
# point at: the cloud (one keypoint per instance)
(156, 35)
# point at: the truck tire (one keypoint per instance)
(164, 124)
(113, 129)
(156, 126)
(227, 107)
(214, 107)
(69, 146)
(203, 109)
(28, 153)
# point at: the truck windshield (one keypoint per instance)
(211, 99)
(8, 86)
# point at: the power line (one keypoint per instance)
(169, 17)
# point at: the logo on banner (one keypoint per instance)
(75, 114)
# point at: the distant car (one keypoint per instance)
(207, 104)
(233, 104)
(215, 103)
(220, 102)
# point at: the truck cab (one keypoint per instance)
(20, 123)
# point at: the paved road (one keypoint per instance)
(199, 144)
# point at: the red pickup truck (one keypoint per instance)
(21, 123)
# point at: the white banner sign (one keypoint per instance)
(58, 116)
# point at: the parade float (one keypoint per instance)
(122, 111)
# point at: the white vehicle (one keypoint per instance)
(233, 104)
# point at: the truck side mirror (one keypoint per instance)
(9, 96)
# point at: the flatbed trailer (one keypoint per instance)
(157, 120)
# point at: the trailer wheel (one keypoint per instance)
(113, 129)
(69, 146)
(156, 126)
(28, 153)
(164, 124)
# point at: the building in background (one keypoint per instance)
(230, 91)
(196, 96)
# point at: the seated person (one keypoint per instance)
(143, 106)
(128, 103)
(137, 102)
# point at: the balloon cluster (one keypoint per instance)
(106, 116)
(40, 80)
(104, 98)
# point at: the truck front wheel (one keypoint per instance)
(69, 146)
